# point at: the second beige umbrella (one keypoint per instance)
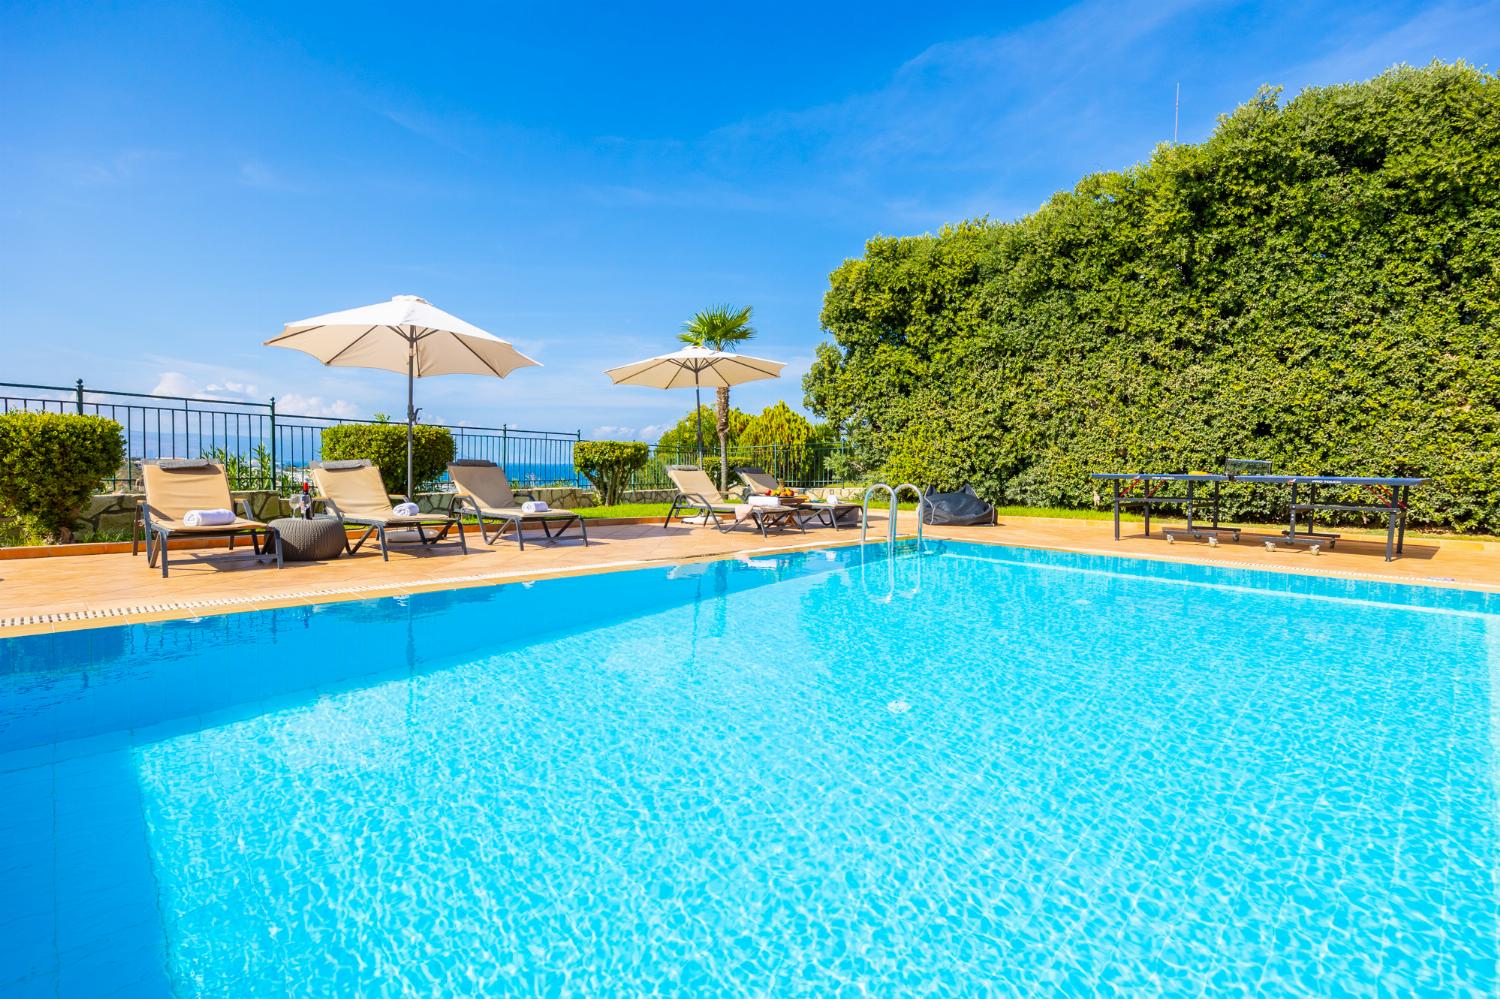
(696, 366)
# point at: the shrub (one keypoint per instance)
(51, 463)
(1317, 284)
(681, 439)
(608, 465)
(384, 445)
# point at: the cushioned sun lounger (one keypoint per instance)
(177, 486)
(698, 501)
(482, 490)
(758, 480)
(353, 492)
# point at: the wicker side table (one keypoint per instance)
(315, 540)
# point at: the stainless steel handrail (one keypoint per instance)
(895, 492)
(864, 513)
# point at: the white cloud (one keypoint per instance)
(316, 405)
(176, 383)
(121, 168)
(649, 433)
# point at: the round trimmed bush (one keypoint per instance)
(384, 445)
(51, 463)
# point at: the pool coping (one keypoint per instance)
(144, 613)
(172, 610)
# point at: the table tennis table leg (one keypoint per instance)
(1401, 531)
(1216, 505)
(1117, 509)
(1291, 532)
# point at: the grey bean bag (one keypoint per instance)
(961, 508)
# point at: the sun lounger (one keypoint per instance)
(353, 492)
(177, 487)
(698, 500)
(482, 490)
(758, 481)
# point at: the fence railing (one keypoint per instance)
(262, 447)
(799, 466)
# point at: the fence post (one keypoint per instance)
(505, 447)
(80, 397)
(271, 484)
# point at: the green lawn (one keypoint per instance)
(625, 510)
(660, 510)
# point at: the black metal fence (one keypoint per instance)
(264, 448)
(800, 466)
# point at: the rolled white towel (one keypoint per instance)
(535, 506)
(407, 510)
(764, 501)
(208, 518)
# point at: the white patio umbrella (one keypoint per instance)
(696, 366)
(405, 334)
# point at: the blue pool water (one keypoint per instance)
(979, 769)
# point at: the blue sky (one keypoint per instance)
(176, 181)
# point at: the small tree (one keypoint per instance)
(680, 441)
(720, 328)
(608, 465)
(787, 433)
(384, 445)
(51, 463)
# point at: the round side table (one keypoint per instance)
(315, 540)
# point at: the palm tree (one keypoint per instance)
(720, 328)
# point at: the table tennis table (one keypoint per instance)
(1387, 496)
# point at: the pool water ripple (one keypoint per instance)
(938, 773)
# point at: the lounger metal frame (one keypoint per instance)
(143, 524)
(378, 528)
(763, 516)
(828, 514)
(456, 505)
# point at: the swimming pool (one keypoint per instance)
(978, 768)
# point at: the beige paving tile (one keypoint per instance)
(100, 590)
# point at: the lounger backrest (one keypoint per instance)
(758, 479)
(175, 486)
(354, 486)
(482, 481)
(694, 481)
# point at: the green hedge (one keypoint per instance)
(1317, 284)
(50, 464)
(608, 465)
(384, 444)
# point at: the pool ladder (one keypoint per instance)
(895, 491)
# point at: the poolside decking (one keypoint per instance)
(41, 595)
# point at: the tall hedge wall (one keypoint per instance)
(1316, 284)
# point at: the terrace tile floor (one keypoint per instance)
(45, 594)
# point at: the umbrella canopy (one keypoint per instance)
(405, 334)
(696, 367)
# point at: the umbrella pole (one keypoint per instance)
(698, 414)
(411, 413)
